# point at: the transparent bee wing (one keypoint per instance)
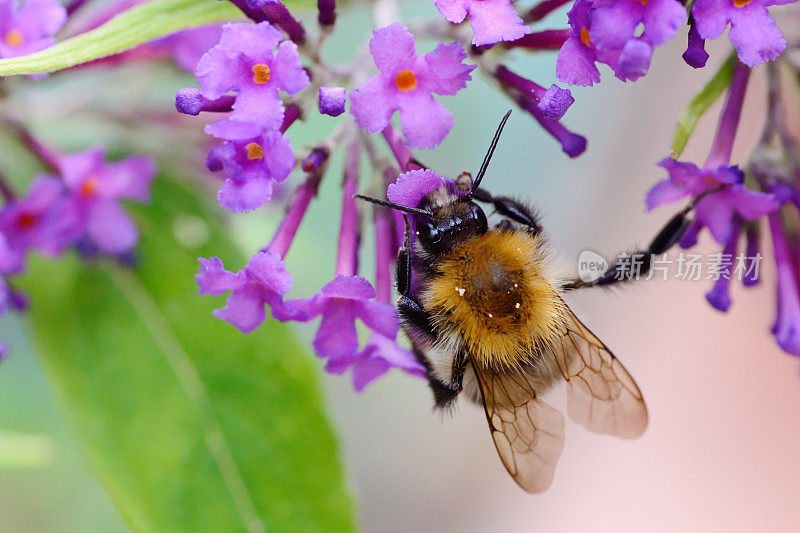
(601, 395)
(527, 432)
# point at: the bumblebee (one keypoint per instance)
(483, 308)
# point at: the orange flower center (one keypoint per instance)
(741, 3)
(585, 37)
(405, 80)
(14, 38)
(26, 220)
(261, 73)
(254, 151)
(89, 187)
(644, 2)
(710, 180)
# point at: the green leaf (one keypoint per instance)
(130, 28)
(700, 104)
(190, 424)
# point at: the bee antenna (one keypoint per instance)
(488, 157)
(392, 205)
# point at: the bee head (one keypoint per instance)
(449, 225)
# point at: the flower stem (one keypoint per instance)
(46, 155)
(402, 153)
(542, 9)
(347, 257)
(287, 231)
(729, 120)
(540, 40)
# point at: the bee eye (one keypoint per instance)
(428, 233)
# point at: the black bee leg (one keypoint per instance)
(638, 263)
(443, 394)
(511, 209)
(403, 272)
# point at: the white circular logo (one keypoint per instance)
(591, 265)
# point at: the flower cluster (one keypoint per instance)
(76, 206)
(622, 34)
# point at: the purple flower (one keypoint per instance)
(407, 82)
(614, 22)
(40, 220)
(340, 302)
(575, 64)
(251, 167)
(29, 27)
(753, 30)
(95, 190)
(717, 209)
(332, 100)
(628, 58)
(491, 20)
(264, 280)
(378, 356)
(411, 187)
(246, 62)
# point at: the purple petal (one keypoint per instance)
(188, 46)
(41, 17)
(711, 17)
(716, 211)
(387, 349)
(278, 155)
(424, 121)
(755, 35)
(634, 61)
(662, 18)
(110, 227)
(752, 205)
(575, 64)
(379, 317)
(220, 71)
(128, 178)
(232, 129)
(213, 279)
(244, 308)
(393, 48)
(373, 103)
(664, 192)
(256, 41)
(494, 21)
(348, 287)
(445, 72)
(76, 166)
(249, 191)
(453, 10)
(269, 271)
(411, 187)
(366, 370)
(612, 26)
(287, 72)
(336, 336)
(259, 104)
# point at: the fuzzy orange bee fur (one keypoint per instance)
(494, 291)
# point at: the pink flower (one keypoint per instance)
(407, 83)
